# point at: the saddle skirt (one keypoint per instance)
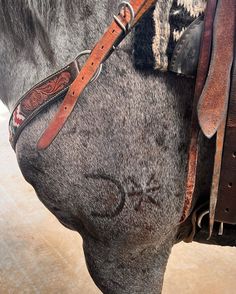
(168, 38)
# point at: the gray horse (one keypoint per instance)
(116, 172)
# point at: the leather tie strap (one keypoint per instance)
(213, 103)
(203, 66)
(226, 202)
(105, 46)
(215, 96)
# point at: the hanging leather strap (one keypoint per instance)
(212, 93)
(226, 202)
(212, 107)
(203, 66)
(213, 104)
(102, 50)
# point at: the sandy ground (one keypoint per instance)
(38, 255)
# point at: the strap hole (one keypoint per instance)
(230, 185)
(102, 47)
(113, 31)
(82, 78)
(92, 63)
(65, 108)
(227, 210)
(73, 93)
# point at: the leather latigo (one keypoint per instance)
(112, 37)
(226, 203)
(215, 98)
(213, 102)
(203, 66)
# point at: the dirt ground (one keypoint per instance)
(39, 255)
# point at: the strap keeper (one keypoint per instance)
(124, 5)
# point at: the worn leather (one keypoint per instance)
(39, 97)
(212, 113)
(185, 57)
(220, 189)
(212, 106)
(203, 66)
(226, 203)
(112, 37)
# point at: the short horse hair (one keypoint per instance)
(23, 22)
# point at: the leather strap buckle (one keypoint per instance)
(199, 223)
(98, 72)
(123, 5)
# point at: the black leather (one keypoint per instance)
(185, 57)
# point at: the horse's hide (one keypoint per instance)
(158, 33)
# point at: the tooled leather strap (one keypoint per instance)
(39, 97)
(203, 66)
(111, 38)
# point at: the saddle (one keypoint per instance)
(209, 44)
(213, 110)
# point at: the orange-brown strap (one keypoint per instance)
(216, 174)
(112, 37)
(213, 102)
(203, 66)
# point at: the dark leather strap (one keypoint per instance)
(213, 103)
(203, 66)
(226, 203)
(216, 93)
(216, 174)
(185, 56)
(111, 38)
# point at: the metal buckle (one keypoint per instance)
(124, 5)
(201, 216)
(199, 223)
(98, 72)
